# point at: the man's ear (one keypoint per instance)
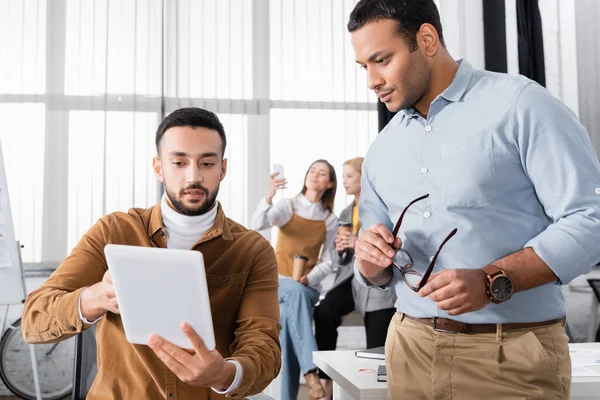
(223, 169)
(428, 39)
(157, 168)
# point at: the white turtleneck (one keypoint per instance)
(183, 230)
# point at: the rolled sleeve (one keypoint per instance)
(561, 252)
(81, 317)
(559, 159)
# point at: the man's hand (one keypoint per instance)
(457, 291)
(375, 250)
(274, 186)
(204, 368)
(99, 299)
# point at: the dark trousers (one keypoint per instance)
(339, 302)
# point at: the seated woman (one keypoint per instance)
(346, 294)
(306, 223)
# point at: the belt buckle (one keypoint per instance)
(435, 328)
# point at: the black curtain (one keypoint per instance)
(383, 115)
(494, 35)
(531, 43)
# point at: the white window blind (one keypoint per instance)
(83, 86)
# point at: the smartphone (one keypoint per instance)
(278, 168)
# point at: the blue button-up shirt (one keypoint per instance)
(508, 165)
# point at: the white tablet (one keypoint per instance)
(158, 289)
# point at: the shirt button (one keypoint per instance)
(72, 328)
(427, 214)
(225, 279)
(428, 128)
(424, 170)
(171, 395)
(597, 190)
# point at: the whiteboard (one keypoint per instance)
(11, 279)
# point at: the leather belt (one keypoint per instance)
(452, 326)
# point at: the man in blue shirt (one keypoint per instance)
(502, 176)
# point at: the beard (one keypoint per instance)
(416, 83)
(197, 209)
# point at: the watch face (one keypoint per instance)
(501, 288)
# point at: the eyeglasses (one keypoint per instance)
(410, 276)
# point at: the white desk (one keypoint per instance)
(350, 384)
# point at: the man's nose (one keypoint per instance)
(374, 79)
(194, 175)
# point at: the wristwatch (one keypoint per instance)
(498, 286)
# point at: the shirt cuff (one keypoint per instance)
(81, 317)
(562, 252)
(236, 381)
(263, 206)
(363, 281)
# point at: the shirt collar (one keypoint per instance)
(460, 83)
(306, 203)
(454, 92)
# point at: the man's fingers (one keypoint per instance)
(458, 310)
(383, 232)
(196, 340)
(431, 277)
(174, 351)
(443, 293)
(377, 241)
(440, 280)
(165, 351)
(450, 303)
(367, 252)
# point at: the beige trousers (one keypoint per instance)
(531, 363)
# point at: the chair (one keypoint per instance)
(595, 285)
(86, 367)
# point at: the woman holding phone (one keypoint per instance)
(306, 225)
(346, 294)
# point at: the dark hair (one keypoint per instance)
(329, 195)
(409, 14)
(193, 117)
